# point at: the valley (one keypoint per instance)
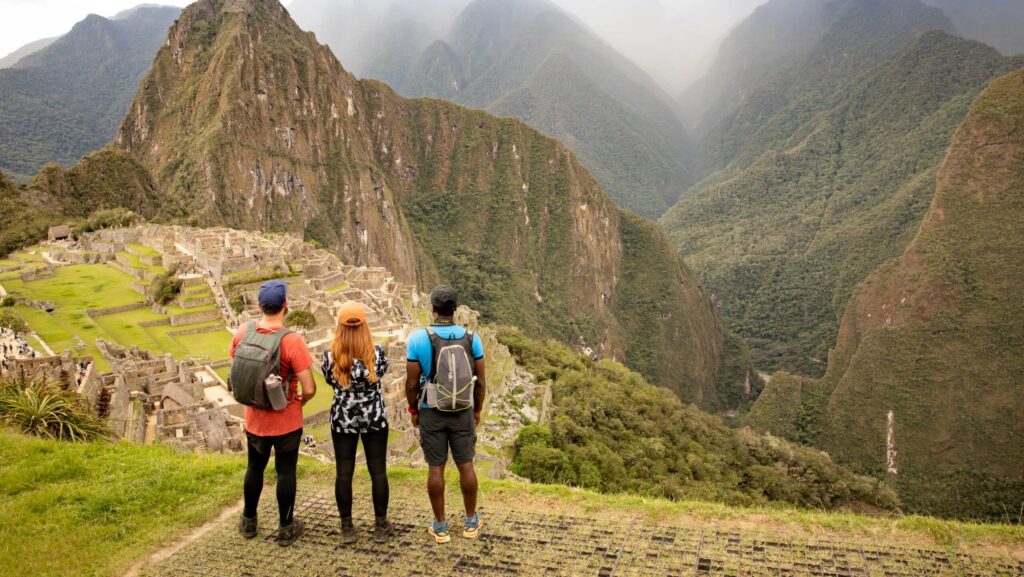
(784, 295)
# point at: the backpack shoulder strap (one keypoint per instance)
(435, 350)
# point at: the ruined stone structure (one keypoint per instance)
(152, 398)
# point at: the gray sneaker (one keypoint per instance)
(247, 527)
(287, 535)
(348, 532)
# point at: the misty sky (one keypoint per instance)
(672, 39)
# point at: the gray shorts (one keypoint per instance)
(439, 431)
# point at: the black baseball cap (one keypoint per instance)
(444, 297)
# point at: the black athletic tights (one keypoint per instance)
(376, 446)
(284, 464)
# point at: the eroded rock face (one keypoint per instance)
(246, 121)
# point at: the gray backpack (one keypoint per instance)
(257, 361)
(451, 383)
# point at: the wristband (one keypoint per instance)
(411, 410)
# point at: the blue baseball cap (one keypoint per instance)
(273, 293)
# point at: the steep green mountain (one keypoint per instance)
(999, 23)
(936, 337)
(530, 60)
(30, 48)
(245, 120)
(777, 34)
(781, 242)
(67, 99)
(610, 430)
(857, 35)
(106, 179)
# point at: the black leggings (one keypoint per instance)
(376, 446)
(285, 464)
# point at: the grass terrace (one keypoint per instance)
(78, 288)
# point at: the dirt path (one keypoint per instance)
(163, 554)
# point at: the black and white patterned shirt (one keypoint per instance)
(360, 407)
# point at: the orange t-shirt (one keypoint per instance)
(295, 358)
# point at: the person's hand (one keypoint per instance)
(415, 419)
(476, 416)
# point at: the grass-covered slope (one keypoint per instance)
(612, 431)
(936, 337)
(67, 99)
(93, 508)
(782, 242)
(247, 121)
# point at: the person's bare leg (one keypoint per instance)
(435, 488)
(468, 483)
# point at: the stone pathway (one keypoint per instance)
(528, 544)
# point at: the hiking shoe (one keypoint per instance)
(247, 526)
(348, 532)
(439, 530)
(287, 535)
(381, 530)
(471, 527)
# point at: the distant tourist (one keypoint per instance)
(445, 387)
(268, 429)
(354, 367)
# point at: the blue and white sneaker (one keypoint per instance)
(471, 527)
(439, 530)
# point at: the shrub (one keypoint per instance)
(107, 218)
(165, 288)
(9, 320)
(8, 301)
(238, 303)
(301, 320)
(49, 411)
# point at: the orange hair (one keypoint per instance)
(352, 342)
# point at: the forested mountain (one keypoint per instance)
(936, 337)
(832, 44)
(777, 34)
(829, 178)
(245, 120)
(530, 60)
(30, 48)
(66, 100)
(999, 23)
(612, 431)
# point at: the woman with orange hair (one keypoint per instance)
(358, 412)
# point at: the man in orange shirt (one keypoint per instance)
(280, 430)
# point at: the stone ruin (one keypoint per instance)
(157, 399)
(147, 398)
(70, 373)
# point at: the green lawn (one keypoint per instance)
(135, 263)
(145, 250)
(77, 288)
(94, 508)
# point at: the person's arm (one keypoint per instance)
(412, 388)
(480, 393)
(307, 385)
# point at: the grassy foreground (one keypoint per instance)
(93, 509)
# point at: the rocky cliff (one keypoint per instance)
(245, 120)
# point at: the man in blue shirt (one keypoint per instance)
(441, 431)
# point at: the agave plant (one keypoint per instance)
(49, 411)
